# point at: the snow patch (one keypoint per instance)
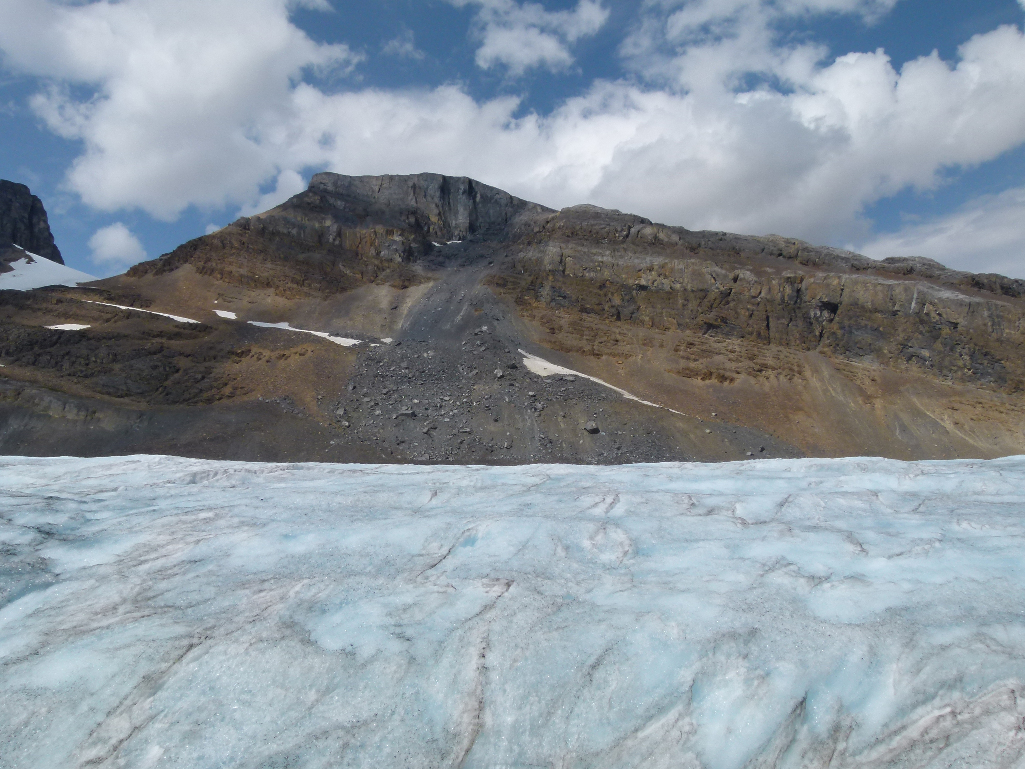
(178, 318)
(226, 314)
(69, 327)
(343, 341)
(543, 368)
(36, 272)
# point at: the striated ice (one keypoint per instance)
(165, 612)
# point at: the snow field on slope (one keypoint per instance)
(40, 273)
(166, 612)
(177, 318)
(341, 340)
(543, 368)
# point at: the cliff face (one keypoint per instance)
(440, 208)
(23, 222)
(901, 313)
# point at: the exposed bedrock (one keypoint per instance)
(442, 208)
(346, 231)
(272, 254)
(755, 345)
(23, 222)
(623, 268)
(903, 312)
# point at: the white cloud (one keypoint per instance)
(803, 163)
(403, 46)
(181, 89)
(209, 111)
(708, 45)
(520, 36)
(116, 246)
(289, 183)
(984, 236)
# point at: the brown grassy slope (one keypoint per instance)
(824, 404)
(143, 360)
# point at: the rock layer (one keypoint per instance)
(772, 291)
(347, 231)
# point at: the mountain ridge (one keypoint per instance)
(732, 346)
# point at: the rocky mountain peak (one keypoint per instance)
(23, 222)
(443, 208)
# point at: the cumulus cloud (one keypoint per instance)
(403, 47)
(179, 91)
(520, 36)
(116, 246)
(803, 162)
(728, 128)
(984, 236)
(711, 45)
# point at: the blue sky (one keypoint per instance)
(893, 127)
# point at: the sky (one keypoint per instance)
(890, 127)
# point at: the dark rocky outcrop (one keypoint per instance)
(439, 208)
(23, 222)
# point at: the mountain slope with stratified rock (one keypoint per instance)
(436, 319)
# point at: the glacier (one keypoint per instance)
(169, 612)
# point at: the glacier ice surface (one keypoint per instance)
(167, 612)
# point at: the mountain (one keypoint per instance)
(457, 323)
(23, 223)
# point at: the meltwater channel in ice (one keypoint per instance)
(163, 612)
